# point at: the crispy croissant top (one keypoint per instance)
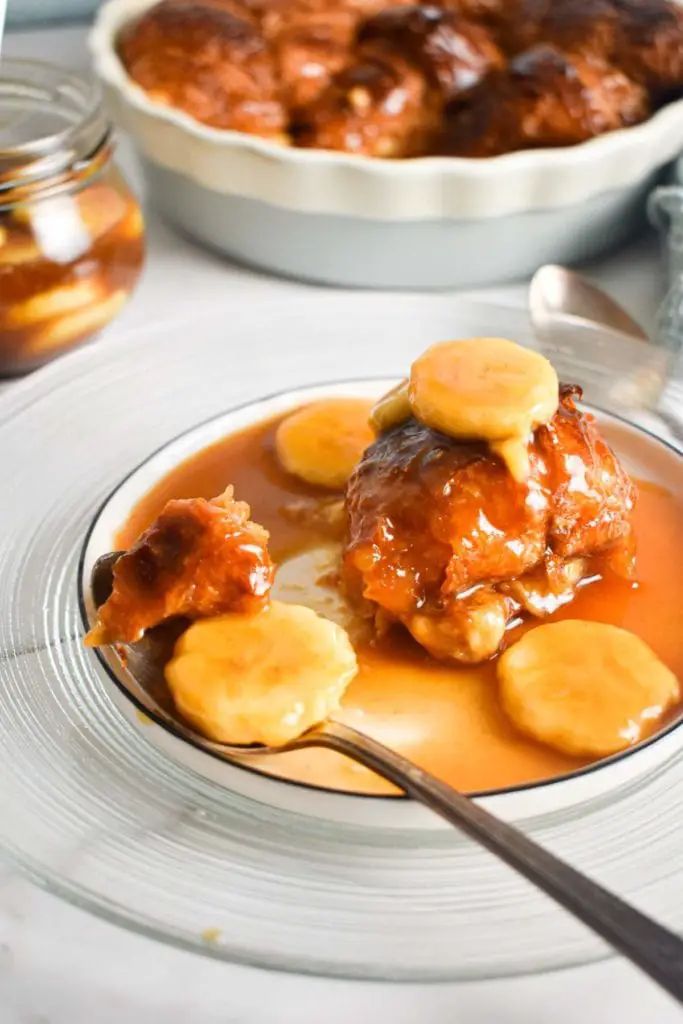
(198, 558)
(472, 78)
(432, 520)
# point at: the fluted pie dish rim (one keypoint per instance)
(326, 181)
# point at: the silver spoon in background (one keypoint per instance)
(591, 340)
(653, 948)
(558, 293)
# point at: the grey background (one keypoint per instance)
(28, 12)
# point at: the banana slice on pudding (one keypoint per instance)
(391, 409)
(487, 389)
(585, 688)
(262, 678)
(323, 442)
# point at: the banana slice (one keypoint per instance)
(485, 388)
(585, 688)
(132, 225)
(101, 208)
(77, 326)
(56, 302)
(391, 409)
(262, 678)
(322, 443)
(15, 251)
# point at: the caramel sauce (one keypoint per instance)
(67, 266)
(446, 718)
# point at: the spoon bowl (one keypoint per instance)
(592, 341)
(558, 293)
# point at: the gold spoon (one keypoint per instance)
(653, 948)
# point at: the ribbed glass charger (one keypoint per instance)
(96, 814)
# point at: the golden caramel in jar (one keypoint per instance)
(71, 232)
(67, 266)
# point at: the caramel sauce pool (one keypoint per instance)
(445, 718)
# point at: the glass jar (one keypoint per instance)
(71, 232)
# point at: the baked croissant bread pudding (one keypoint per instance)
(472, 526)
(444, 539)
(199, 558)
(471, 78)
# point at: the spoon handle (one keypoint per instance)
(653, 948)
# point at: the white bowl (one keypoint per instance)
(644, 455)
(365, 222)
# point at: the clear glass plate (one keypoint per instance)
(94, 813)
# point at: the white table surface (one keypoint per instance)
(61, 966)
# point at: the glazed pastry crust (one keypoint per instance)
(209, 61)
(198, 559)
(544, 98)
(443, 539)
(473, 78)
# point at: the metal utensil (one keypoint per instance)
(653, 948)
(556, 292)
(593, 342)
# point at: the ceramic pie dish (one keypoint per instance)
(365, 222)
